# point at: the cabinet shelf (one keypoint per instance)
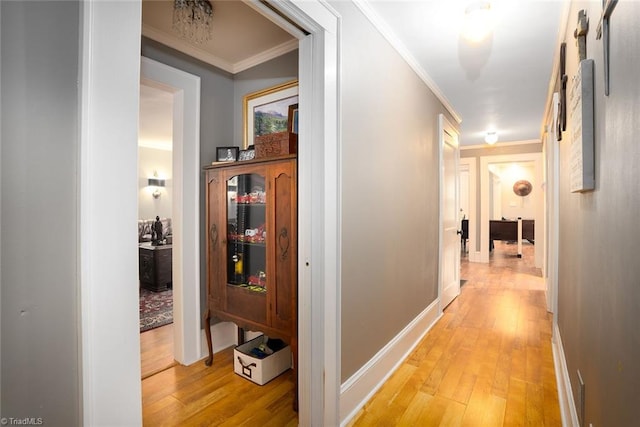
(254, 244)
(260, 290)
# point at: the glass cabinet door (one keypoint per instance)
(246, 229)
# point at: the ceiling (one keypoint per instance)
(498, 84)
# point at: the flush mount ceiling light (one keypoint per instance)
(478, 21)
(192, 20)
(491, 137)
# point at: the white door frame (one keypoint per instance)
(552, 193)
(485, 161)
(445, 127)
(185, 88)
(470, 164)
(110, 348)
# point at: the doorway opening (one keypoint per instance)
(155, 200)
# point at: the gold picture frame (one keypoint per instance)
(276, 98)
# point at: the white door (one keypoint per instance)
(449, 208)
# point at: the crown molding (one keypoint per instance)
(184, 47)
(395, 42)
(204, 56)
(501, 144)
(265, 56)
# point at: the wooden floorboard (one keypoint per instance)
(156, 350)
(199, 395)
(487, 362)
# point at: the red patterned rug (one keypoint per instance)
(156, 309)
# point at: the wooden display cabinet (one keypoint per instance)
(251, 223)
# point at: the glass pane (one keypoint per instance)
(246, 219)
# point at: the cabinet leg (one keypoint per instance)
(240, 336)
(207, 333)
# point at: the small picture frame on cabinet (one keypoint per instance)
(247, 155)
(227, 154)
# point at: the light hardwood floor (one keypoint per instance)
(487, 362)
(156, 350)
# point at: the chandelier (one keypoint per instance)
(192, 19)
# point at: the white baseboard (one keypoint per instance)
(358, 389)
(474, 256)
(223, 335)
(565, 395)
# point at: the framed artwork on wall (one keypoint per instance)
(267, 111)
(293, 119)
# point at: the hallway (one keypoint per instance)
(487, 362)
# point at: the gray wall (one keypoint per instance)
(599, 272)
(221, 106)
(277, 71)
(389, 192)
(39, 309)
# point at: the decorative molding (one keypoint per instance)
(265, 56)
(233, 68)
(501, 144)
(391, 37)
(186, 48)
(362, 385)
(568, 412)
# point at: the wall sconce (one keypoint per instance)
(156, 183)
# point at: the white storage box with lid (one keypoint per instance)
(258, 370)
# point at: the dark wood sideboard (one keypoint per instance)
(508, 230)
(155, 268)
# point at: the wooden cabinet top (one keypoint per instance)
(217, 165)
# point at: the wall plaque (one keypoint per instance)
(582, 165)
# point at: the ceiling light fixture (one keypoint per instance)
(192, 20)
(478, 21)
(491, 137)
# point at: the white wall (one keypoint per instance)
(152, 160)
(512, 205)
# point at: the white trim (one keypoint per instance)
(386, 31)
(568, 412)
(471, 165)
(108, 288)
(501, 144)
(265, 56)
(185, 88)
(318, 209)
(444, 291)
(204, 56)
(356, 391)
(188, 49)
